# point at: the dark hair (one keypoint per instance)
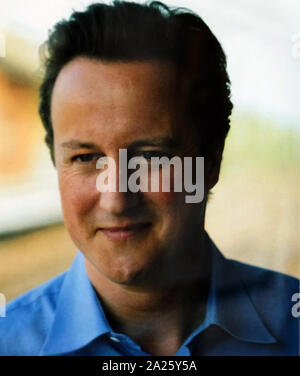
(128, 31)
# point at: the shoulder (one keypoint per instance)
(262, 281)
(24, 328)
(271, 293)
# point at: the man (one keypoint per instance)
(147, 280)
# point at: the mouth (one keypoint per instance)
(125, 232)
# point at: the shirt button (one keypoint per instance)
(115, 339)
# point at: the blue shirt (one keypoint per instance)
(248, 313)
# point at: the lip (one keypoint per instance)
(125, 232)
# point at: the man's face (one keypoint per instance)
(98, 108)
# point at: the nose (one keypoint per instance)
(118, 203)
(112, 199)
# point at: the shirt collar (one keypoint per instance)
(229, 305)
(79, 317)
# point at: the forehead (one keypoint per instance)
(88, 77)
(130, 97)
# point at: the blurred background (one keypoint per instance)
(254, 212)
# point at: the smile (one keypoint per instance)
(125, 232)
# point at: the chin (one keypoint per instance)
(130, 266)
(126, 276)
(126, 272)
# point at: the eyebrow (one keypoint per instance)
(76, 144)
(158, 142)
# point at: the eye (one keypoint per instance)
(85, 158)
(152, 153)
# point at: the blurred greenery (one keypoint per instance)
(254, 212)
(258, 143)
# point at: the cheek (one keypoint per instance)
(78, 196)
(176, 215)
(170, 200)
(163, 200)
(168, 205)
